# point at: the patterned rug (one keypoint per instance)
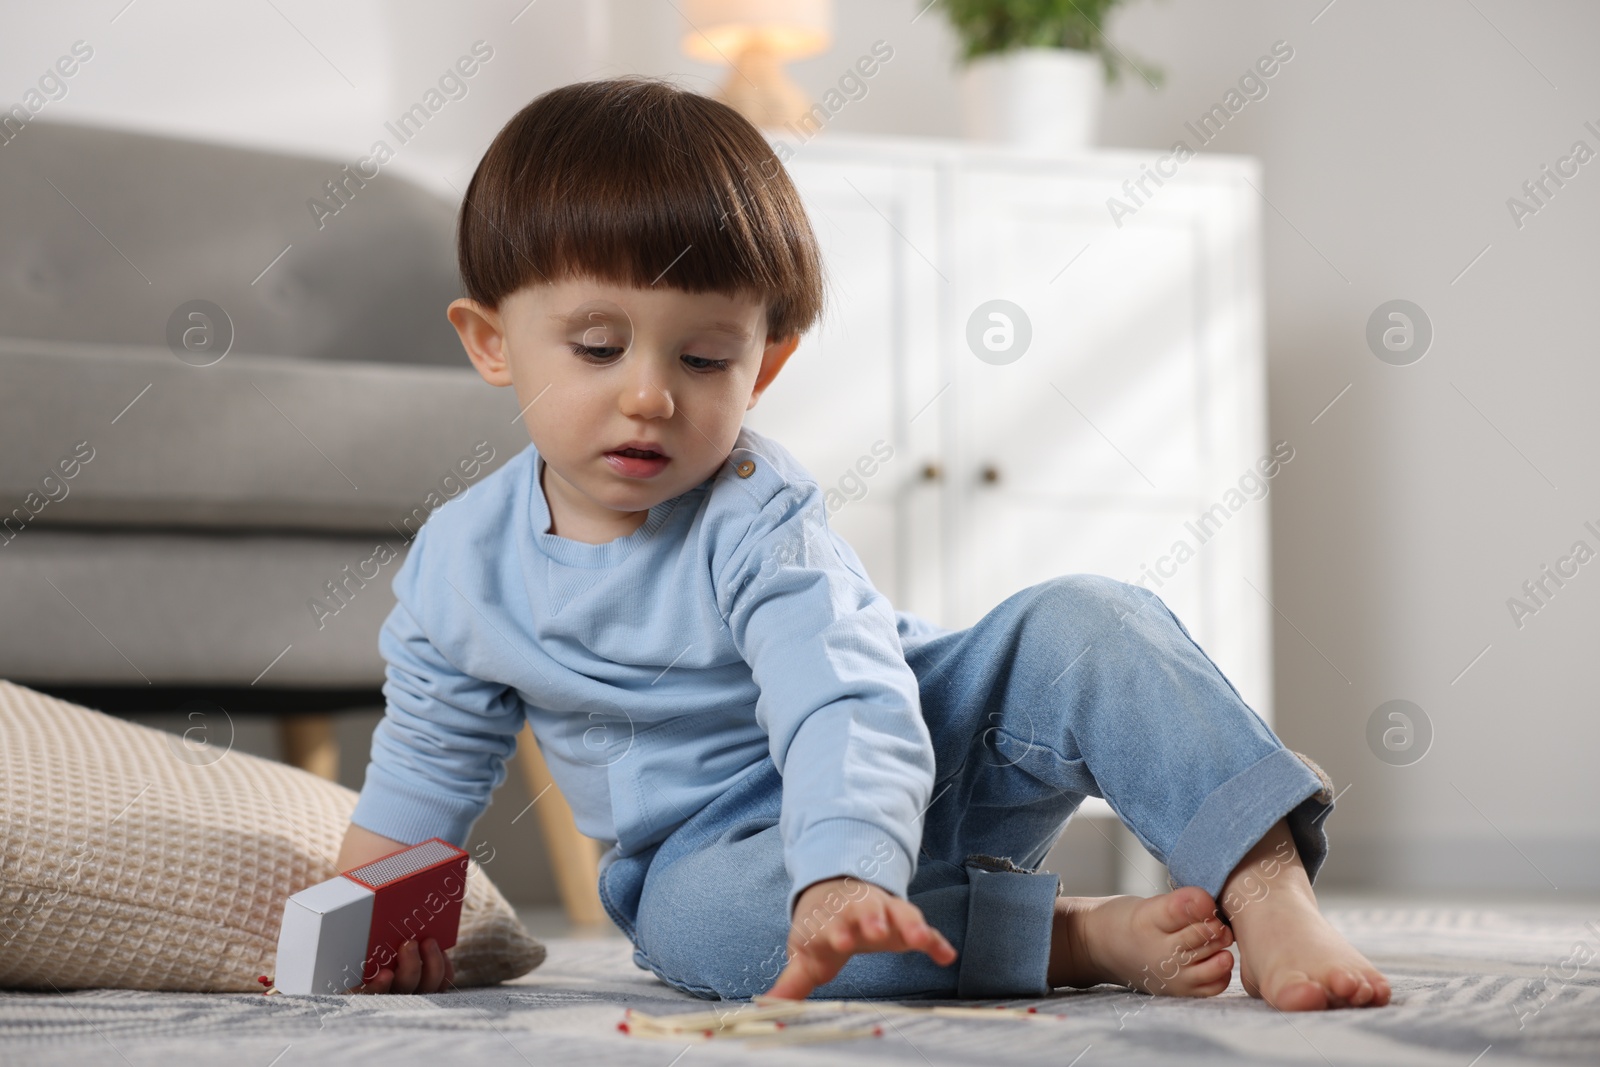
(1473, 987)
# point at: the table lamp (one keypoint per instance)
(757, 36)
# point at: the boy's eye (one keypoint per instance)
(598, 353)
(604, 353)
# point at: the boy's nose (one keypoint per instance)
(644, 395)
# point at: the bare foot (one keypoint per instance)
(1171, 944)
(1289, 955)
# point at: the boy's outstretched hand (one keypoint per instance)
(823, 938)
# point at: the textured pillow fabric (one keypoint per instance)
(137, 859)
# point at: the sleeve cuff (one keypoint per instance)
(390, 807)
(838, 848)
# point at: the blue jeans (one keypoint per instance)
(1077, 686)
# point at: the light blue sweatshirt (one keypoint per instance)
(655, 670)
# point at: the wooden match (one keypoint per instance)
(769, 1022)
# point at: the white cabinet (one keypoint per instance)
(1137, 406)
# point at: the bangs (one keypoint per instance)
(636, 182)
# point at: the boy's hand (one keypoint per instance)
(822, 938)
(424, 971)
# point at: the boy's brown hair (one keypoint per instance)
(637, 182)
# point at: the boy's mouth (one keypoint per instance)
(637, 462)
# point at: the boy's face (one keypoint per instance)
(596, 366)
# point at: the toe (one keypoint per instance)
(1298, 992)
(1343, 983)
(1213, 982)
(1221, 937)
(1201, 939)
(1184, 907)
(1218, 966)
(1205, 977)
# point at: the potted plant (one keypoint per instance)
(1034, 70)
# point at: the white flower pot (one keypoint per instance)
(1047, 99)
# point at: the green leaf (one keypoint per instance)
(992, 26)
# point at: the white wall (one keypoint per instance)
(1425, 499)
(306, 75)
(1416, 504)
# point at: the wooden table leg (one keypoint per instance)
(310, 744)
(574, 858)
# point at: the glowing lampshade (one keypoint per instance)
(757, 37)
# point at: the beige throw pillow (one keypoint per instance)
(133, 858)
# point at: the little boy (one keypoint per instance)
(799, 787)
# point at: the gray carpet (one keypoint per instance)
(1474, 986)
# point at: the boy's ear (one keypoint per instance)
(777, 353)
(482, 335)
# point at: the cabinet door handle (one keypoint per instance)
(990, 473)
(932, 472)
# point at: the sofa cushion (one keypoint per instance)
(155, 606)
(109, 231)
(138, 859)
(256, 442)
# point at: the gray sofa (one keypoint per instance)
(170, 521)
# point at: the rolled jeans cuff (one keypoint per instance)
(1281, 785)
(1010, 910)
